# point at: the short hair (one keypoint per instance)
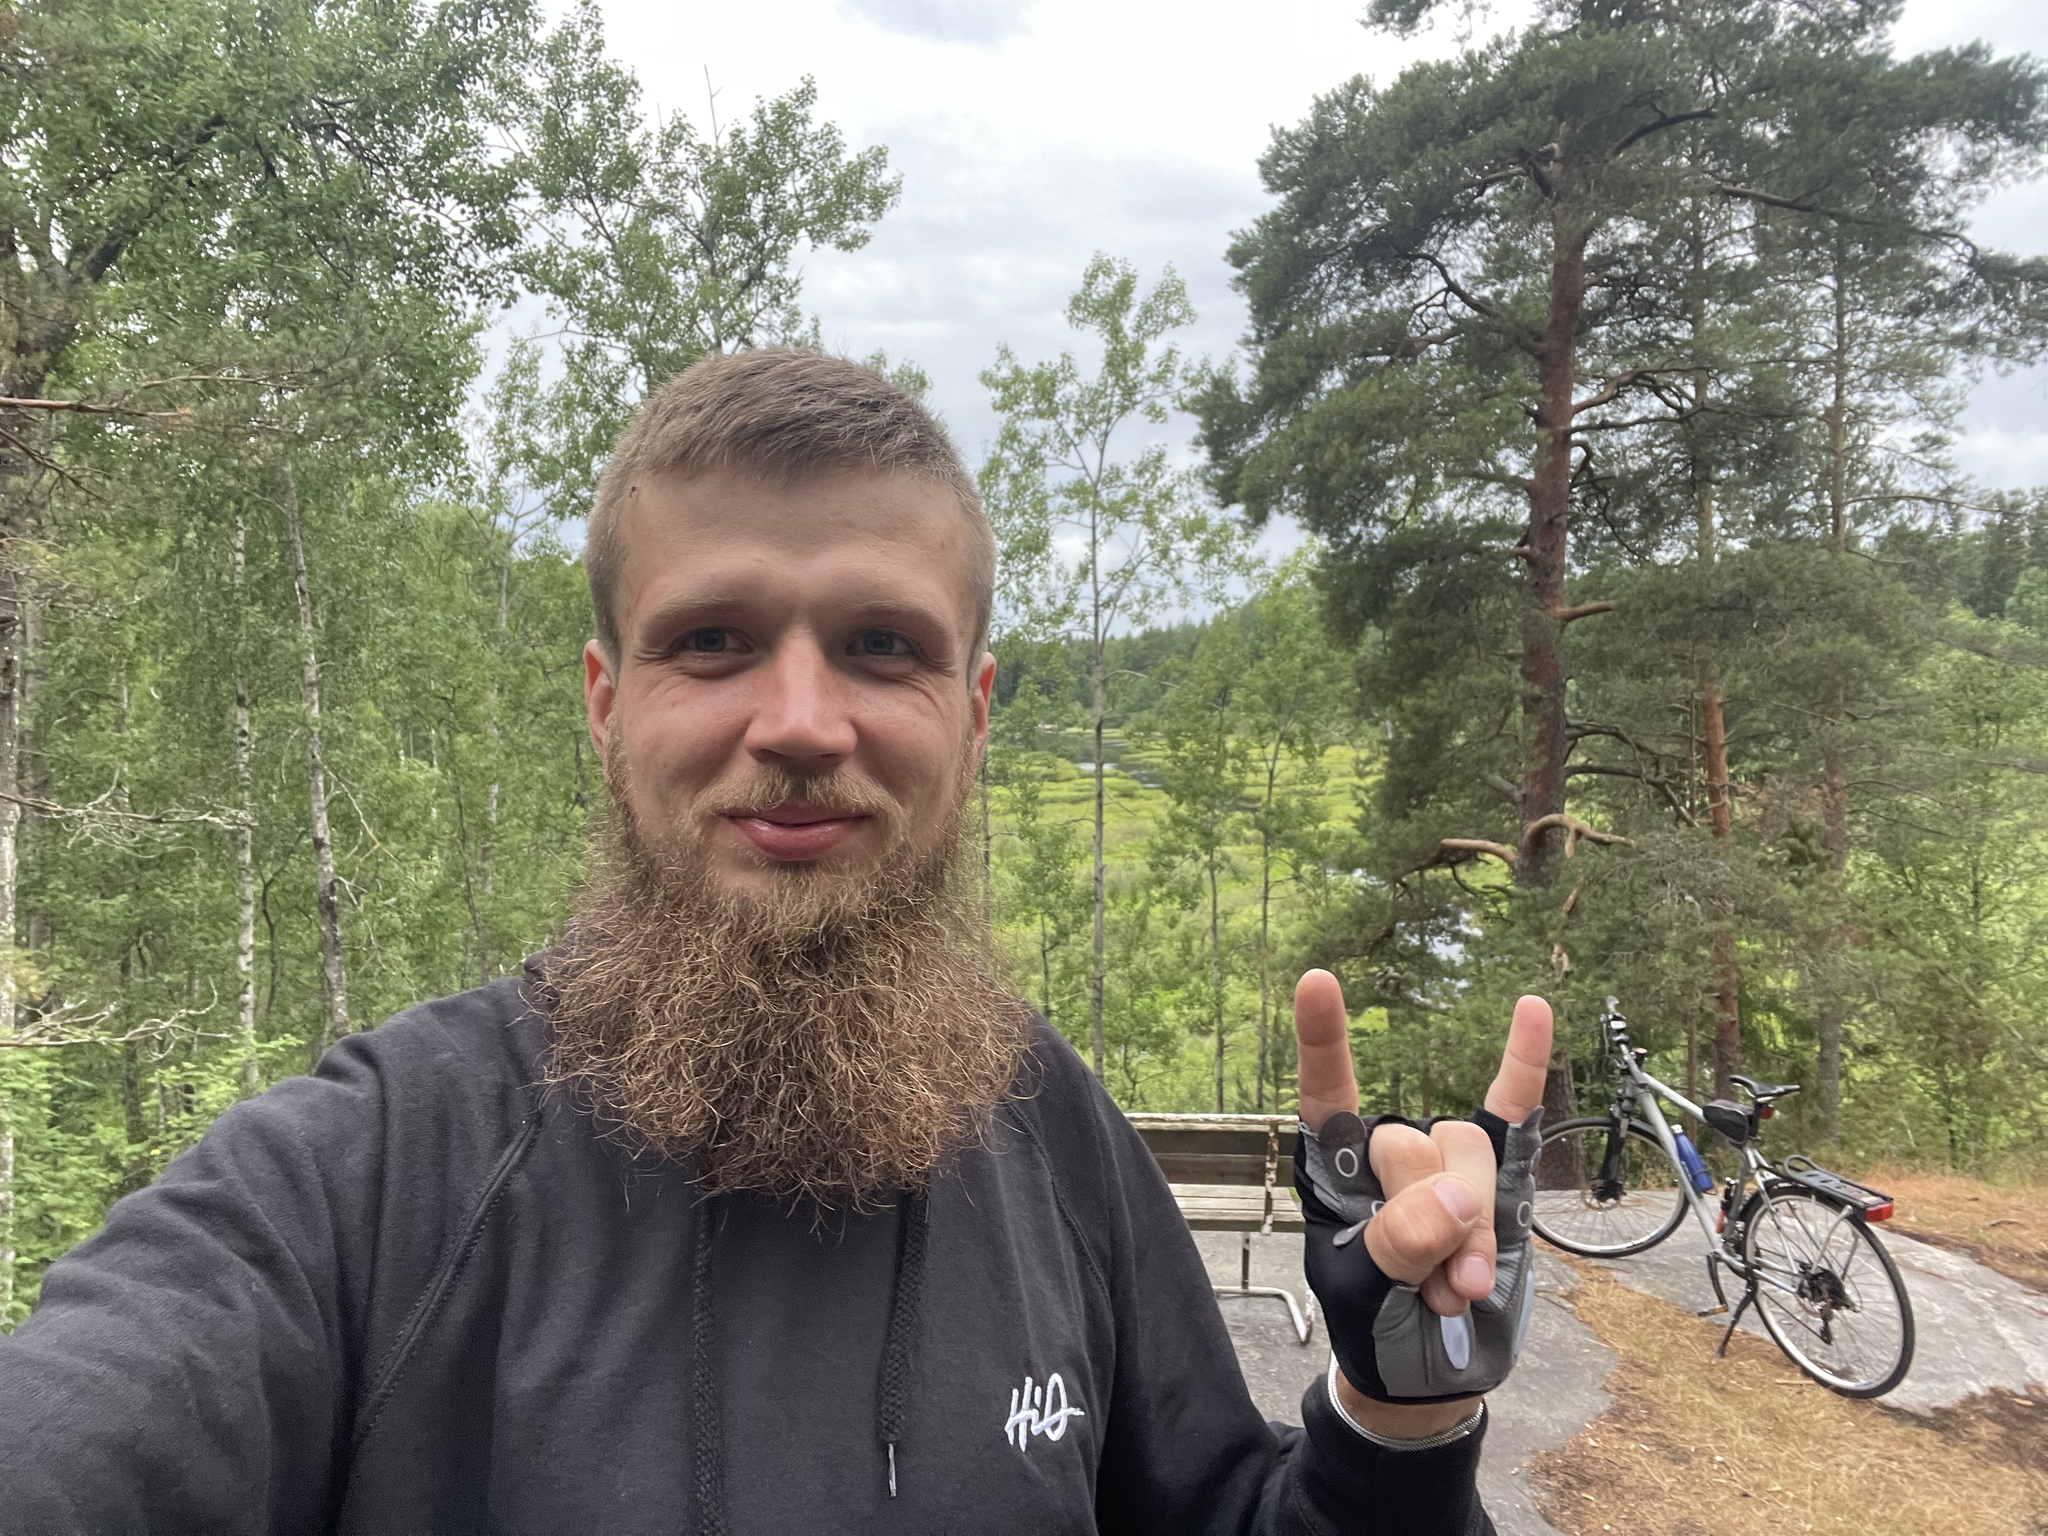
(785, 415)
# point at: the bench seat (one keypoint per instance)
(1233, 1173)
(1234, 1208)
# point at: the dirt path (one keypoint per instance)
(1979, 1333)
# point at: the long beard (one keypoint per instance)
(831, 1040)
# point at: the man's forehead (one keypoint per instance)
(674, 529)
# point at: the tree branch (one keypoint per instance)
(1582, 611)
(86, 408)
(1636, 136)
(1574, 829)
(60, 1030)
(1469, 845)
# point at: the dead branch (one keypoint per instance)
(100, 821)
(1583, 611)
(1478, 845)
(1574, 829)
(68, 1027)
(1390, 984)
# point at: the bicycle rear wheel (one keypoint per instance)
(1600, 1198)
(1829, 1293)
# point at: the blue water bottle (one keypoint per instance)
(1695, 1170)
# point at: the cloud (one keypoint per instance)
(945, 21)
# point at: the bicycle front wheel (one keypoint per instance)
(1603, 1192)
(1829, 1293)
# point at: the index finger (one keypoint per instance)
(1323, 1032)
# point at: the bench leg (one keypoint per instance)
(1304, 1324)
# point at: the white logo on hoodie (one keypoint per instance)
(1039, 1410)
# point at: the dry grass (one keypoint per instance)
(1693, 1446)
(2001, 1226)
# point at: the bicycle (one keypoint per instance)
(1799, 1240)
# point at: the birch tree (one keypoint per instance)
(1295, 698)
(1124, 530)
(653, 243)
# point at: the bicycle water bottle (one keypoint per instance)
(1695, 1170)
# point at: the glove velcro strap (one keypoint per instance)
(1389, 1343)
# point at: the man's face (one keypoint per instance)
(820, 629)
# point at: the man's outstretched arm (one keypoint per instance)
(186, 1368)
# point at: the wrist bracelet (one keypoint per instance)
(1457, 1431)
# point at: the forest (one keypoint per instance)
(1642, 635)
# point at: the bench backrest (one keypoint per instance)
(1221, 1149)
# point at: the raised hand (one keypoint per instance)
(1426, 1212)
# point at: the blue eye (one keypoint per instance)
(705, 642)
(882, 642)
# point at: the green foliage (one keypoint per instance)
(1095, 542)
(260, 243)
(657, 243)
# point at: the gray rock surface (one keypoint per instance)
(1977, 1329)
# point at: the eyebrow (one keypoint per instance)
(889, 610)
(689, 612)
(700, 609)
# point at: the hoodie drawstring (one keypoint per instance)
(892, 1389)
(907, 1297)
(707, 1432)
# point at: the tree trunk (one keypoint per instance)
(1727, 1013)
(486, 852)
(245, 848)
(1832, 1014)
(1550, 500)
(1559, 1165)
(1692, 1057)
(1101, 709)
(1216, 979)
(1834, 790)
(333, 974)
(1265, 967)
(1721, 821)
(42, 321)
(17, 496)
(1045, 968)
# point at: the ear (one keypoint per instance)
(600, 693)
(979, 692)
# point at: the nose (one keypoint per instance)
(802, 719)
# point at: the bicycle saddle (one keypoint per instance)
(1761, 1091)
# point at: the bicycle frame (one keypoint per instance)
(1777, 1222)
(1640, 1089)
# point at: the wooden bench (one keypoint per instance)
(1233, 1173)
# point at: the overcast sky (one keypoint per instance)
(1032, 133)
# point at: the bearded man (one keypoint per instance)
(757, 1204)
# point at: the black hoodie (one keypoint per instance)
(412, 1293)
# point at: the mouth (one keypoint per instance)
(794, 831)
